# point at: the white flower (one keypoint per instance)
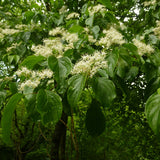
(73, 15)
(50, 82)
(56, 31)
(1, 35)
(33, 78)
(23, 71)
(9, 31)
(20, 26)
(148, 3)
(42, 50)
(112, 36)
(29, 83)
(68, 46)
(46, 73)
(90, 64)
(91, 39)
(54, 44)
(157, 29)
(70, 37)
(142, 47)
(97, 8)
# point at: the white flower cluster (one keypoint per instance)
(29, 83)
(33, 77)
(42, 50)
(142, 47)
(1, 35)
(90, 64)
(70, 37)
(9, 31)
(56, 31)
(23, 72)
(21, 26)
(91, 39)
(73, 15)
(112, 36)
(157, 29)
(148, 3)
(98, 8)
(56, 46)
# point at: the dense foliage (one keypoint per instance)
(79, 79)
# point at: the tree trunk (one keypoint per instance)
(59, 139)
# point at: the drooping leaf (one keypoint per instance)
(31, 61)
(104, 91)
(152, 111)
(76, 85)
(95, 120)
(8, 115)
(60, 66)
(112, 62)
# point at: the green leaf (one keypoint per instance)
(41, 101)
(89, 21)
(60, 66)
(54, 106)
(152, 87)
(76, 85)
(112, 60)
(122, 68)
(132, 48)
(31, 61)
(107, 3)
(95, 120)
(95, 30)
(49, 105)
(104, 90)
(13, 87)
(152, 111)
(8, 115)
(75, 29)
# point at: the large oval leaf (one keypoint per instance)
(76, 85)
(60, 66)
(104, 90)
(8, 115)
(49, 105)
(152, 111)
(95, 120)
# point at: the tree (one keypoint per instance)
(53, 54)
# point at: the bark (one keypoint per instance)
(59, 139)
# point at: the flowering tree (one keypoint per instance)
(54, 51)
